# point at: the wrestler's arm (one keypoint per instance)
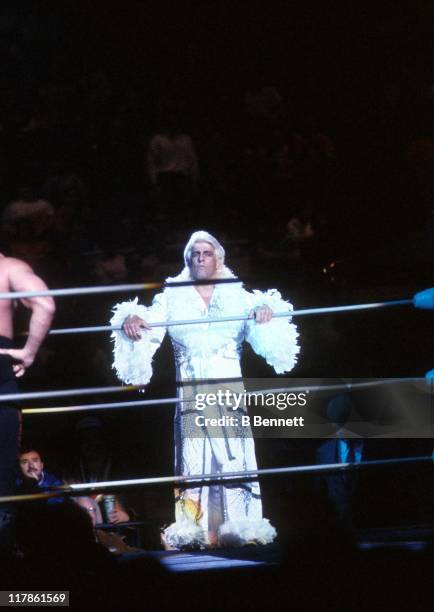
(22, 278)
(132, 327)
(277, 341)
(133, 324)
(261, 314)
(133, 356)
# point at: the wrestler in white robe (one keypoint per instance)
(229, 514)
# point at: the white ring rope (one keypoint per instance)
(210, 479)
(174, 400)
(67, 393)
(102, 406)
(293, 313)
(15, 295)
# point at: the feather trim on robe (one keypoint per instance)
(185, 533)
(276, 340)
(242, 532)
(133, 360)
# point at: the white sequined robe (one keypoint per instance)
(209, 514)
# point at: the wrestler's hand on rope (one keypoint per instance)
(261, 314)
(22, 356)
(132, 327)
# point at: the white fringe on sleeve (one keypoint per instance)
(276, 340)
(133, 360)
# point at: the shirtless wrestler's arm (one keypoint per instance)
(22, 278)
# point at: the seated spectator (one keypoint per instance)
(105, 509)
(102, 508)
(95, 464)
(34, 477)
(112, 541)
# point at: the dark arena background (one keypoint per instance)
(313, 128)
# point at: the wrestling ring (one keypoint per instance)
(422, 300)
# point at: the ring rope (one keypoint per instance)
(212, 478)
(204, 320)
(102, 406)
(100, 390)
(14, 295)
(176, 400)
(67, 392)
